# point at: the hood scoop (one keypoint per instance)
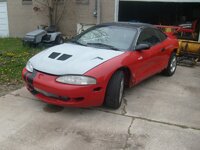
(62, 57)
(54, 55)
(100, 58)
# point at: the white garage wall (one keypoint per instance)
(4, 29)
(181, 1)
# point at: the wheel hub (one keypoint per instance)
(121, 90)
(173, 64)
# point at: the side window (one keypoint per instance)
(161, 35)
(148, 36)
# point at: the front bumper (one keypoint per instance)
(45, 87)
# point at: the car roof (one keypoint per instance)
(129, 24)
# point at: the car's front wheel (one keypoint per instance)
(171, 68)
(115, 90)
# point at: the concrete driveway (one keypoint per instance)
(161, 113)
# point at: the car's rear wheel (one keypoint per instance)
(171, 68)
(115, 90)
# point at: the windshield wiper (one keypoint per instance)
(76, 42)
(104, 45)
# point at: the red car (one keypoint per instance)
(94, 67)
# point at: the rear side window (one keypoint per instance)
(148, 36)
(161, 35)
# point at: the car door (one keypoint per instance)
(165, 48)
(147, 61)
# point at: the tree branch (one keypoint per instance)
(62, 12)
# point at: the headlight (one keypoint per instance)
(29, 66)
(76, 80)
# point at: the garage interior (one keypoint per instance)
(163, 13)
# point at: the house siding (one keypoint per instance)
(23, 19)
(107, 10)
(4, 29)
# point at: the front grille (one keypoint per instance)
(62, 98)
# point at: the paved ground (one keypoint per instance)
(159, 114)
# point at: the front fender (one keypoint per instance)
(104, 71)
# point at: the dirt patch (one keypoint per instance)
(7, 88)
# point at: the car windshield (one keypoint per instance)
(108, 37)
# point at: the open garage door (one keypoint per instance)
(4, 30)
(169, 12)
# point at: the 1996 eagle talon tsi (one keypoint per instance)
(94, 67)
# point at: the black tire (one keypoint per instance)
(172, 64)
(115, 90)
(59, 40)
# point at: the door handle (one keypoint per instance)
(140, 58)
(163, 49)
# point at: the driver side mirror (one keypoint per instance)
(142, 46)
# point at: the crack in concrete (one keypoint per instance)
(129, 134)
(152, 120)
(124, 112)
(168, 123)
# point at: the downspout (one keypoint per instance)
(116, 15)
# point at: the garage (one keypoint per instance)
(165, 12)
(4, 30)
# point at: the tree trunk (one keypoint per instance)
(50, 12)
(50, 17)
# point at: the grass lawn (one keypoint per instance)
(13, 57)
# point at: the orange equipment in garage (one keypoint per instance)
(191, 30)
(189, 50)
